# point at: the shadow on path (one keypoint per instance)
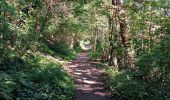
(88, 79)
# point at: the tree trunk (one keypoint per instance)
(126, 54)
(95, 39)
(112, 52)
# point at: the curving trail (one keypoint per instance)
(88, 79)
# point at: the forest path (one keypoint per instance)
(88, 79)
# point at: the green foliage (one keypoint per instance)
(35, 77)
(61, 49)
(123, 84)
(77, 47)
(154, 67)
(31, 76)
(79, 9)
(151, 80)
(7, 85)
(94, 55)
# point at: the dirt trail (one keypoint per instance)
(88, 79)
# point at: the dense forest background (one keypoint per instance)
(131, 38)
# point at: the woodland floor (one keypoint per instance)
(88, 79)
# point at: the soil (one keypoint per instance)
(88, 79)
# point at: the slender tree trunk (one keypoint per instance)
(95, 39)
(127, 54)
(111, 42)
(112, 51)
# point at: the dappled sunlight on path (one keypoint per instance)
(88, 80)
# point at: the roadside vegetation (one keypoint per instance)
(34, 77)
(135, 51)
(130, 37)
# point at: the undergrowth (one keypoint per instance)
(34, 77)
(61, 50)
(130, 85)
(94, 55)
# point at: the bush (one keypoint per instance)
(94, 55)
(7, 85)
(38, 78)
(150, 81)
(60, 49)
(122, 84)
(154, 67)
(77, 47)
(155, 70)
(138, 85)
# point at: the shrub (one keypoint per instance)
(38, 78)
(155, 70)
(121, 83)
(7, 85)
(94, 55)
(150, 81)
(58, 49)
(77, 47)
(154, 67)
